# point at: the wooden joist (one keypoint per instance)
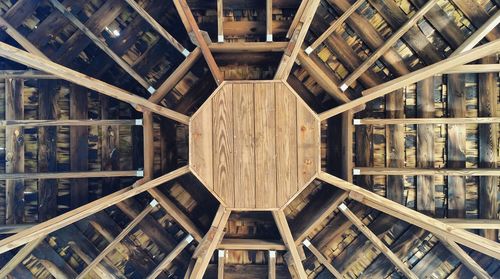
(238, 47)
(429, 71)
(71, 175)
(157, 26)
(251, 244)
(271, 263)
(472, 224)
(220, 21)
(45, 65)
(191, 25)
(427, 171)
(423, 120)
(84, 211)
(413, 217)
(19, 257)
(170, 257)
(478, 35)
(322, 259)
(69, 122)
(269, 20)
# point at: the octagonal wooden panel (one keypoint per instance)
(255, 144)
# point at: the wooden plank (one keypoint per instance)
(471, 224)
(425, 147)
(467, 260)
(286, 151)
(349, 80)
(347, 145)
(84, 211)
(419, 121)
(413, 217)
(223, 144)
(307, 144)
(456, 145)
(428, 172)
(265, 145)
(201, 146)
(247, 271)
(395, 145)
(149, 147)
(269, 20)
(68, 122)
(415, 76)
(220, 21)
(54, 263)
(271, 263)
(322, 259)
(334, 26)
(79, 156)
(251, 244)
(157, 26)
(237, 47)
(244, 149)
(191, 25)
(70, 175)
(220, 264)
(110, 143)
(34, 61)
(286, 235)
(19, 257)
(488, 144)
(14, 152)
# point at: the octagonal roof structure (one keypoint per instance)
(254, 144)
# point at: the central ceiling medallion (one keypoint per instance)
(254, 144)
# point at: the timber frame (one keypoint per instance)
(452, 233)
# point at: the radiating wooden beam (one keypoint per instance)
(190, 24)
(387, 45)
(478, 35)
(251, 244)
(472, 224)
(417, 121)
(431, 70)
(322, 259)
(474, 69)
(220, 263)
(148, 150)
(102, 45)
(295, 44)
(207, 246)
(113, 244)
(81, 212)
(69, 175)
(419, 171)
(413, 217)
(286, 234)
(334, 26)
(238, 47)
(65, 73)
(19, 257)
(157, 26)
(179, 73)
(467, 260)
(170, 257)
(377, 242)
(271, 263)
(69, 122)
(25, 74)
(347, 145)
(269, 20)
(220, 21)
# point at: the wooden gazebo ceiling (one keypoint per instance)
(272, 122)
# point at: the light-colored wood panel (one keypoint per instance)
(286, 151)
(202, 145)
(265, 145)
(244, 152)
(307, 145)
(222, 104)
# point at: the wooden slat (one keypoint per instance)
(419, 121)
(84, 211)
(191, 25)
(425, 147)
(387, 44)
(157, 26)
(395, 145)
(19, 257)
(170, 257)
(220, 21)
(478, 35)
(220, 264)
(53, 262)
(67, 175)
(237, 47)
(286, 234)
(68, 122)
(148, 143)
(477, 15)
(471, 224)
(488, 144)
(201, 146)
(347, 145)
(322, 259)
(269, 20)
(415, 76)
(34, 61)
(413, 217)
(14, 152)
(251, 244)
(307, 144)
(265, 145)
(271, 263)
(223, 144)
(286, 151)
(244, 151)
(428, 172)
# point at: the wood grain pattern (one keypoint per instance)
(395, 148)
(244, 152)
(307, 136)
(265, 145)
(202, 144)
(223, 144)
(286, 151)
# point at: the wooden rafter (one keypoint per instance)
(68, 175)
(387, 44)
(413, 217)
(269, 20)
(322, 259)
(20, 39)
(478, 35)
(472, 224)
(220, 21)
(191, 25)
(467, 260)
(251, 244)
(20, 256)
(417, 171)
(416, 121)
(157, 26)
(298, 36)
(429, 71)
(170, 257)
(65, 73)
(102, 45)
(70, 122)
(84, 211)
